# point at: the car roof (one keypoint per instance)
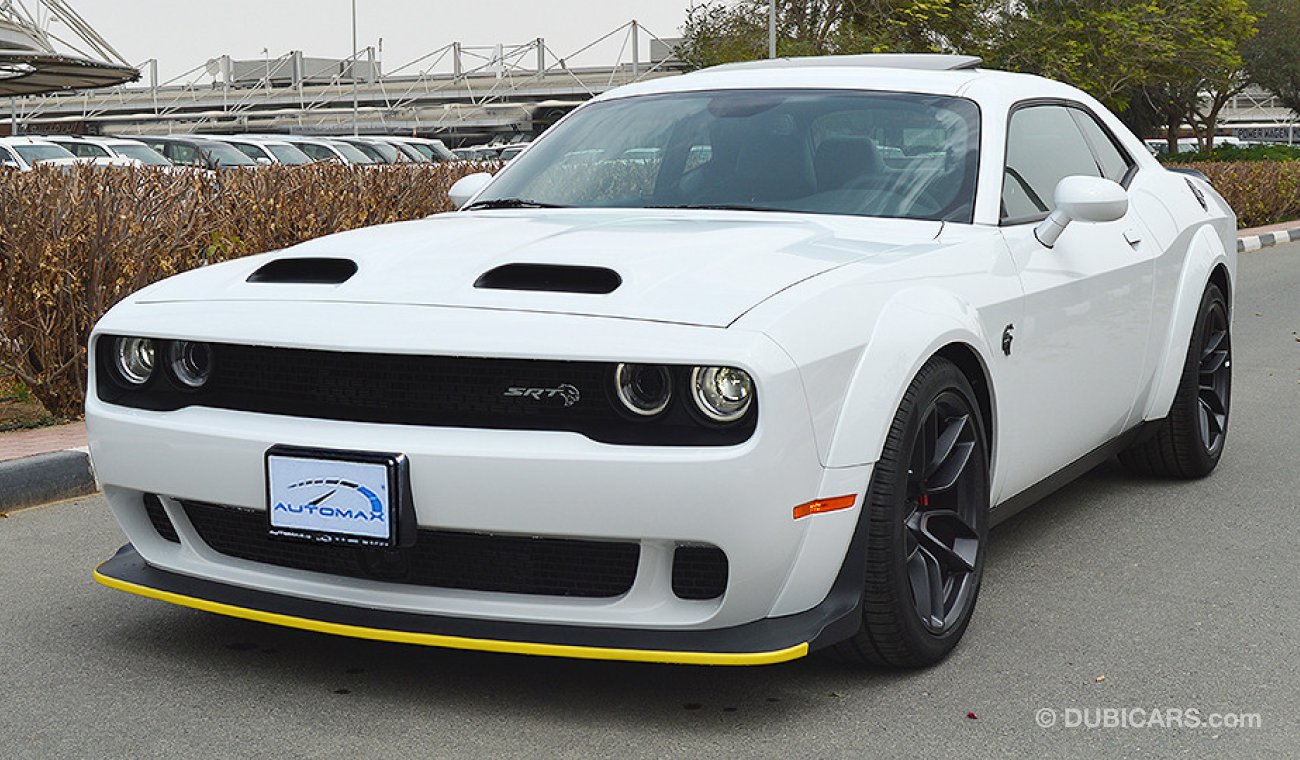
(850, 73)
(26, 140)
(915, 61)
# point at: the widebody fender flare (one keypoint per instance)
(912, 328)
(1205, 253)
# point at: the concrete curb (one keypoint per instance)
(43, 478)
(1266, 239)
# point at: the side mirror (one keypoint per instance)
(467, 187)
(263, 161)
(1083, 199)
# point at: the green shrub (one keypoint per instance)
(1233, 153)
(73, 243)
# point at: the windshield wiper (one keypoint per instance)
(509, 203)
(720, 207)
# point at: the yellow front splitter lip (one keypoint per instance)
(453, 642)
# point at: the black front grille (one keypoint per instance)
(441, 559)
(436, 391)
(699, 572)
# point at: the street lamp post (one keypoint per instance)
(353, 69)
(771, 29)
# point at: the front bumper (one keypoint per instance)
(512, 483)
(762, 642)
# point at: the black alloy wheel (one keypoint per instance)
(942, 500)
(927, 520)
(1214, 380)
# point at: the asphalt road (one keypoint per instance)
(1182, 595)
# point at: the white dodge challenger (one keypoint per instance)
(723, 369)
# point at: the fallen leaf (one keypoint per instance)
(837, 694)
(971, 715)
(1099, 679)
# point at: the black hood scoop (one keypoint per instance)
(556, 278)
(306, 271)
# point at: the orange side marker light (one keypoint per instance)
(818, 506)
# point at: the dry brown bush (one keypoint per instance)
(1261, 192)
(73, 243)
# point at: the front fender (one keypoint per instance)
(910, 329)
(1205, 252)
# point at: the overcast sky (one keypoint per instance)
(183, 34)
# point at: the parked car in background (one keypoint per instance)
(329, 149)
(476, 153)
(266, 149)
(723, 406)
(412, 155)
(434, 150)
(378, 148)
(23, 153)
(197, 152)
(510, 151)
(108, 148)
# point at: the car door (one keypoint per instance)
(1079, 351)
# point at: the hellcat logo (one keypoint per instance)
(565, 392)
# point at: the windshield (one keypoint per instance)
(84, 150)
(371, 152)
(388, 152)
(350, 152)
(33, 153)
(287, 154)
(225, 155)
(819, 151)
(141, 153)
(440, 152)
(252, 151)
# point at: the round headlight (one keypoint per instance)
(191, 362)
(645, 389)
(723, 394)
(134, 359)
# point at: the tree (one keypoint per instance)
(1181, 58)
(1273, 57)
(718, 31)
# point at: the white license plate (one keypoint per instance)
(331, 498)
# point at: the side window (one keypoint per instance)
(182, 154)
(1114, 163)
(1044, 146)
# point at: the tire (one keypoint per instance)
(1189, 441)
(926, 532)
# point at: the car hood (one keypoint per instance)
(690, 267)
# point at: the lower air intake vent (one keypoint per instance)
(551, 277)
(442, 559)
(699, 572)
(305, 271)
(158, 517)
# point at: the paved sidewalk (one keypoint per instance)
(17, 444)
(44, 465)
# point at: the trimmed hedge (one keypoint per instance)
(73, 243)
(1261, 192)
